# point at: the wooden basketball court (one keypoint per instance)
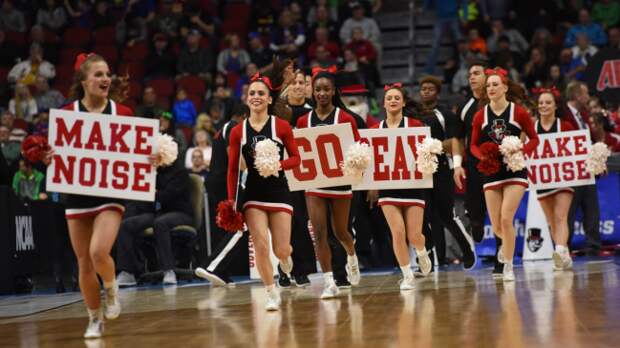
(450, 309)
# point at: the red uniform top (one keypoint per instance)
(112, 108)
(280, 131)
(411, 122)
(490, 127)
(335, 117)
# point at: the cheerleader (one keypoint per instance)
(555, 202)
(403, 209)
(266, 204)
(338, 199)
(94, 221)
(504, 189)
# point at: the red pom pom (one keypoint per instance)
(490, 163)
(34, 148)
(228, 217)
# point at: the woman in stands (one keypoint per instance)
(555, 202)
(329, 110)
(94, 221)
(403, 208)
(266, 204)
(503, 191)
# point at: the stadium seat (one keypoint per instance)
(105, 36)
(136, 53)
(68, 55)
(196, 100)
(64, 73)
(135, 89)
(231, 79)
(110, 53)
(134, 69)
(192, 85)
(17, 38)
(163, 87)
(76, 37)
(3, 75)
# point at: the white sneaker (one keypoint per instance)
(558, 262)
(330, 290)
(567, 261)
(500, 256)
(407, 283)
(287, 266)
(213, 278)
(353, 272)
(112, 304)
(126, 279)
(94, 329)
(509, 274)
(425, 263)
(273, 300)
(170, 278)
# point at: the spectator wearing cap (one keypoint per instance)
(233, 59)
(52, 15)
(593, 30)
(322, 39)
(11, 19)
(149, 107)
(27, 71)
(28, 183)
(45, 97)
(347, 8)
(161, 61)
(194, 60)
(259, 54)
(287, 37)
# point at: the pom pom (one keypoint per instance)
(356, 160)
(34, 148)
(427, 152)
(167, 150)
(228, 218)
(267, 158)
(511, 150)
(596, 163)
(489, 164)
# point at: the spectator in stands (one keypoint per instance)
(233, 59)
(323, 20)
(516, 41)
(602, 131)
(10, 53)
(11, 19)
(321, 5)
(23, 105)
(323, 57)
(172, 208)
(476, 43)
(606, 13)
(347, 8)
(366, 56)
(149, 107)
(555, 78)
(263, 17)
(614, 38)
(194, 60)
(101, 15)
(543, 40)
(197, 19)
(447, 19)
(350, 61)
(594, 31)
(536, 69)
(369, 27)
(17, 127)
(131, 30)
(250, 70)
(205, 123)
(202, 143)
(581, 53)
(220, 105)
(45, 97)
(287, 37)
(297, 12)
(169, 19)
(28, 182)
(11, 150)
(198, 165)
(51, 49)
(80, 14)
(167, 126)
(259, 54)
(183, 110)
(503, 53)
(161, 61)
(27, 71)
(322, 39)
(52, 15)
(40, 123)
(494, 9)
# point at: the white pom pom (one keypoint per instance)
(510, 144)
(515, 161)
(427, 153)
(267, 158)
(356, 160)
(167, 149)
(596, 163)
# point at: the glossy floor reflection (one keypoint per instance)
(452, 309)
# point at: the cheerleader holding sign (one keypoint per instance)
(495, 141)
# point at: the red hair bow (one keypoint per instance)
(553, 90)
(394, 85)
(332, 69)
(264, 79)
(80, 59)
(503, 74)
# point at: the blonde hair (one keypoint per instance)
(119, 89)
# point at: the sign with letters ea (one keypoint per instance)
(101, 155)
(321, 150)
(393, 159)
(560, 161)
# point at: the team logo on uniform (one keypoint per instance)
(534, 239)
(255, 140)
(498, 131)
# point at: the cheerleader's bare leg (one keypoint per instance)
(280, 227)
(317, 212)
(556, 210)
(512, 195)
(340, 223)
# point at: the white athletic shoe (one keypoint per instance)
(509, 274)
(567, 261)
(170, 278)
(330, 290)
(500, 256)
(287, 266)
(425, 263)
(558, 262)
(213, 278)
(353, 272)
(126, 279)
(94, 329)
(273, 300)
(112, 304)
(407, 283)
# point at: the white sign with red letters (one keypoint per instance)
(393, 161)
(101, 155)
(322, 150)
(560, 161)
